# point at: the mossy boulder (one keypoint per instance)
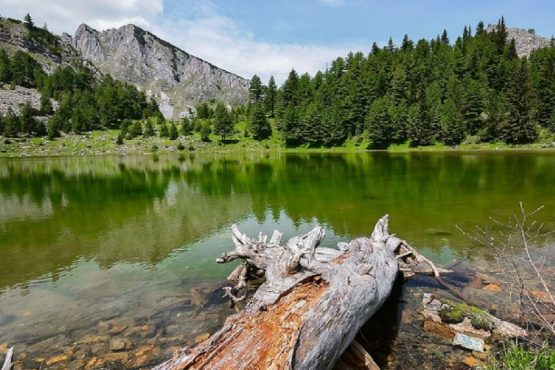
(455, 312)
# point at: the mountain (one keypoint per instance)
(49, 50)
(526, 41)
(177, 80)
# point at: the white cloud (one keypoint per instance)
(221, 41)
(66, 15)
(202, 31)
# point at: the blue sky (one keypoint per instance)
(336, 21)
(271, 37)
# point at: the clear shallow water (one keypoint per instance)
(132, 240)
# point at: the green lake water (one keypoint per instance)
(86, 240)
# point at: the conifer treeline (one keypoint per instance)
(420, 92)
(84, 103)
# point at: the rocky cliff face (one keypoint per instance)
(526, 42)
(15, 36)
(176, 79)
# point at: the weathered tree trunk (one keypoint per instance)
(310, 307)
(8, 361)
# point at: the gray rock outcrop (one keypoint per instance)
(526, 41)
(176, 79)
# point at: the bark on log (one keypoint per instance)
(308, 310)
(8, 361)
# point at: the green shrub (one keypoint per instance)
(516, 356)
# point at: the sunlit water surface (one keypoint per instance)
(89, 243)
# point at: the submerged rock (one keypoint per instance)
(468, 342)
(56, 359)
(118, 345)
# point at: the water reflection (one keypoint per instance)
(85, 240)
(139, 209)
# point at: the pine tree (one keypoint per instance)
(54, 127)
(480, 29)
(28, 21)
(223, 125)
(472, 106)
(259, 126)
(149, 129)
(494, 116)
(5, 67)
(418, 122)
(205, 132)
(125, 126)
(542, 69)
(519, 128)
(334, 130)
(379, 123)
(11, 124)
(445, 38)
(164, 132)
(136, 129)
(407, 45)
(290, 125)
(27, 122)
(45, 105)
(390, 45)
(501, 33)
(452, 126)
(186, 126)
(119, 138)
(203, 111)
(270, 98)
(172, 132)
(288, 95)
(256, 90)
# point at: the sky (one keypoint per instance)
(270, 37)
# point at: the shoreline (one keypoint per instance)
(102, 143)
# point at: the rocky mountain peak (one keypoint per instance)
(176, 79)
(526, 41)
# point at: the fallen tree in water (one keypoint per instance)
(311, 305)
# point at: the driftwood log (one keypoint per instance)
(311, 305)
(8, 360)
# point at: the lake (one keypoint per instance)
(97, 247)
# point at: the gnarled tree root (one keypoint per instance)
(310, 307)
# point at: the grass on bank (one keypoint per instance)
(515, 356)
(104, 142)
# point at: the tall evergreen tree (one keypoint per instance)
(54, 127)
(451, 124)
(11, 124)
(149, 129)
(542, 69)
(135, 129)
(223, 125)
(472, 106)
(256, 90)
(519, 128)
(495, 115)
(270, 98)
(419, 127)
(45, 105)
(186, 126)
(5, 67)
(164, 132)
(172, 132)
(28, 21)
(379, 123)
(27, 122)
(259, 126)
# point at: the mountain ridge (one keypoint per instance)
(177, 79)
